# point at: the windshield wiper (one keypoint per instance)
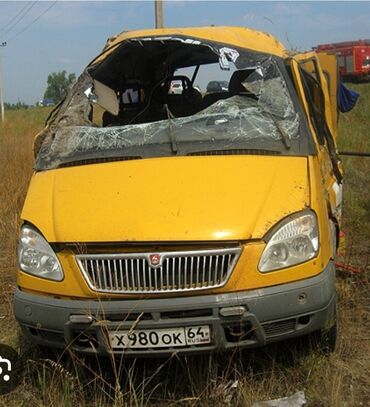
(170, 117)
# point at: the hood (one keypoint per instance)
(167, 199)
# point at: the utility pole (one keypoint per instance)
(2, 45)
(158, 14)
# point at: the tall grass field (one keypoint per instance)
(53, 379)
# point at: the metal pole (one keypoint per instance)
(355, 153)
(3, 44)
(158, 14)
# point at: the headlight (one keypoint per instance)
(35, 256)
(295, 241)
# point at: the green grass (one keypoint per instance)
(238, 379)
(354, 129)
(354, 135)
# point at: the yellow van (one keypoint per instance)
(192, 221)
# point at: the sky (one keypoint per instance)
(49, 36)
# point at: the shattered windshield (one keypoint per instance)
(255, 114)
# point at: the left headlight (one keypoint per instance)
(294, 241)
(36, 257)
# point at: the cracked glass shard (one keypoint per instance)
(269, 86)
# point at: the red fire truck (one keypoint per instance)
(353, 58)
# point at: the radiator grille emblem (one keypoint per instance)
(154, 259)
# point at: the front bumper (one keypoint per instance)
(271, 314)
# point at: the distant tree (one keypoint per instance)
(15, 106)
(58, 85)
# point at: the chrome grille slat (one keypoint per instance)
(137, 273)
(222, 267)
(173, 282)
(177, 271)
(161, 278)
(155, 277)
(121, 275)
(144, 275)
(185, 271)
(215, 271)
(132, 274)
(98, 272)
(167, 273)
(104, 275)
(210, 271)
(203, 270)
(110, 275)
(150, 279)
(114, 275)
(191, 272)
(90, 262)
(126, 274)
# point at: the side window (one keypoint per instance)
(316, 102)
(310, 67)
(315, 98)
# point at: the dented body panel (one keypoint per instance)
(237, 36)
(183, 199)
(218, 207)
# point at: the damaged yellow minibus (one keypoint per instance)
(190, 221)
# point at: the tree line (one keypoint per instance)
(57, 86)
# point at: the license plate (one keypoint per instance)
(160, 338)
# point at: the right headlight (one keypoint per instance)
(294, 241)
(36, 257)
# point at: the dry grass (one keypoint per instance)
(16, 139)
(227, 380)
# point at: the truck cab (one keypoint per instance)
(159, 222)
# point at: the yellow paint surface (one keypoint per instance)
(238, 36)
(167, 199)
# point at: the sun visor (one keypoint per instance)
(106, 97)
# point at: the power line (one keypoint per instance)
(21, 17)
(12, 19)
(32, 22)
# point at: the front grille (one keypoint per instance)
(158, 272)
(279, 327)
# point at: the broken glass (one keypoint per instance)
(238, 119)
(268, 85)
(261, 117)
